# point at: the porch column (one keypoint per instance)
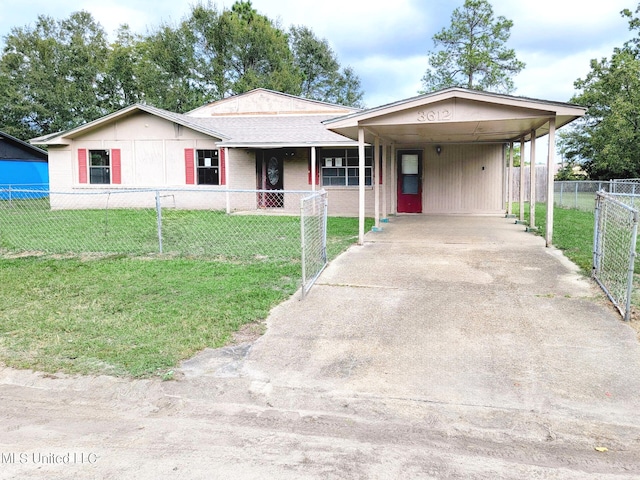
(375, 180)
(394, 181)
(521, 200)
(510, 182)
(532, 180)
(313, 169)
(550, 190)
(385, 209)
(361, 203)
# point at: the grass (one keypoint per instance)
(573, 234)
(138, 316)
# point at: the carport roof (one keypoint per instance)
(457, 115)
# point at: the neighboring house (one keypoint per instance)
(442, 152)
(22, 166)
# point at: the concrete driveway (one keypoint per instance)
(445, 347)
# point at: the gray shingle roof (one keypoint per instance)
(238, 131)
(273, 130)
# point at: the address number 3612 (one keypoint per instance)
(434, 115)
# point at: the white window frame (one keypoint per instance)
(339, 167)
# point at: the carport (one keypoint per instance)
(444, 152)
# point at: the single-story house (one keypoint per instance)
(22, 166)
(438, 153)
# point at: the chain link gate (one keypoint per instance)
(313, 234)
(614, 250)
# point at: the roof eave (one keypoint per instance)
(559, 108)
(64, 138)
(232, 144)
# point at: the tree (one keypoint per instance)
(244, 50)
(472, 52)
(52, 75)
(168, 74)
(62, 73)
(121, 76)
(606, 141)
(322, 77)
(315, 60)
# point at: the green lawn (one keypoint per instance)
(139, 316)
(573, 233)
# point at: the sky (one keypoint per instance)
(387, 43)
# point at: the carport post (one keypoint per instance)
(521, 200)
(385, 208)
(394, 181)
(550, 189)
(532, 182)
(375, 179)
(360, 186)
(510, 181)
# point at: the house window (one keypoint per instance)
(99, 166)
(340, 167)
(208, 167)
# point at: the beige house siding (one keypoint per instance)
(152, 156)
(464, 179)
(241, 165)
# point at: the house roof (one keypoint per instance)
(456, 115)
(268, 102)
(277, 131)
(260, 119)
(30, 152)
(63, 138)
(265, 119)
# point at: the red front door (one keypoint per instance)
(410, 181)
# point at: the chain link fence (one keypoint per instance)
(234, 225)
(614, 249)
(581, 194)
(313, 231)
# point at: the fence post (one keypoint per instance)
(303, 247)
(596, 234)
(159, 219)
(324, 223)
(632, 262)
(576, 195)
(561, 192)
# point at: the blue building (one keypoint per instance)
(22, 167)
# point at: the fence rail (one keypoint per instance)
(614, 249)
(581, 194)
(236, 225)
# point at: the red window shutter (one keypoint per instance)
(189, 166)
(82, 165)
(116, 177)
(223, 167)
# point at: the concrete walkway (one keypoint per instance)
(445, 347)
